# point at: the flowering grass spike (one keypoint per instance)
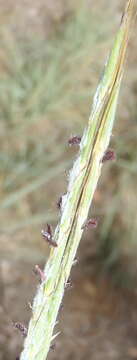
(77, 201)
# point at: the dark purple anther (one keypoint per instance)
(91, 223)
(48, 236)
(21, 328)
(109, 155)
(75, 140)
(59, 203)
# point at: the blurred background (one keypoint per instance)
(52, 54)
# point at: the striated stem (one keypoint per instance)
(76, 203)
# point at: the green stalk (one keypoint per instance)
(76, 203)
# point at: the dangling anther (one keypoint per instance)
(21, 328)
(52, 347)
(59, 203)
(90, 223)
(37, 270)
(75, 140)
(109, 155)
(48, 236)
(68, 284)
